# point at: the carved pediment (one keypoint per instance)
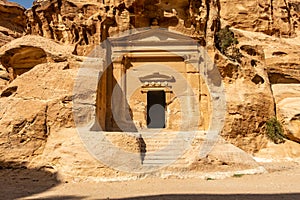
(157, 77)
(151, 35)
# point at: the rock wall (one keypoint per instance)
(32, 109)
(249, 99)
(86, 23)
(287, 109)
(12, 26)
(13, 21)
(280, 18)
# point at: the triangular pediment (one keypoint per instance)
(157, 77)
(150, 35)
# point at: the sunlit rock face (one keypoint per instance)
(21, 55)
(12, 21)
(86, 23)
(280, 18)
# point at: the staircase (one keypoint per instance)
(164, 148)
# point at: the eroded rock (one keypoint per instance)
(287, 97)
(85, 24)
(12, 21)
(280, 18)
(31, 109)
(22, 54)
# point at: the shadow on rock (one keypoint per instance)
(19, 181)
(219, 197)
(60, 198)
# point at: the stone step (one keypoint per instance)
(172, 145)
(160, 156)
(157, 154)
(164, 157)
(162, 164)
(165, 162)
(164, 144)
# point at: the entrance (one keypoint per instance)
(156, 103)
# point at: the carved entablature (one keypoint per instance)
(155, 84)
(156, 80)
(156, 76)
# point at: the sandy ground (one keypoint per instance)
(282, 183)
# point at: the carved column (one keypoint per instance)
(193, 89)
(120, 109)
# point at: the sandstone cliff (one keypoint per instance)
(13, 21)
(38, 70)
(85, 23)
(279, 18)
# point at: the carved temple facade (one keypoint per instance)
(153, 79)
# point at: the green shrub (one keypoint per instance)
(274, 131)
(238, 175)
(224, 39)
(226, 42)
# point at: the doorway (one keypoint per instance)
(156, 103)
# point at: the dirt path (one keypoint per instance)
(284, 184)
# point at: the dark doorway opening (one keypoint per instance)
(156, 103)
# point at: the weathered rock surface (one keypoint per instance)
(287, 151)
(65, 153)
(86, 23)
(12, 21)
(21, 55)
(281, 60)
(281, 55)
(4, 77)
(280, 18)
(287, 98)
(32, 108)
(249, 98)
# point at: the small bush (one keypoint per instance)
(226, 43)
(224, 39)
(238, 175)
(274, 131)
